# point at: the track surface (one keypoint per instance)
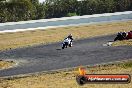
(50, 57)
(66, 22)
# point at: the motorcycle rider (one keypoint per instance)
(70, 37)
(121, 36)
(66, 42)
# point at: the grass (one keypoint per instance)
(123, 43)
(29, 38)
(66, 79)
(127, 65)
(6, 64)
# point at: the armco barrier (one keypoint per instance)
(64, 21)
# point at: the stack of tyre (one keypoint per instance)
(123, 36)
(129, 35)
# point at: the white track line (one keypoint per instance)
(57, 19)
(66, 18)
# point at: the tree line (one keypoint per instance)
(22, 10)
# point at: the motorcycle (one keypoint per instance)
(67, 42)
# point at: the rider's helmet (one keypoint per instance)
(70, 34)
(70, 37)
(119, 33)
(124, 34)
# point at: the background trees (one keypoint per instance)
(19, 10)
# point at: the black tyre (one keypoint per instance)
(63, 46)
(81, 80)
(69, 45)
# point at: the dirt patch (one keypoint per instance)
(6, 64)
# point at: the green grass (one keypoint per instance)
(127, 64)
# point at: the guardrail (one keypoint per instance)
(64, 21)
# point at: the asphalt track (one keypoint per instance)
(50, 57)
